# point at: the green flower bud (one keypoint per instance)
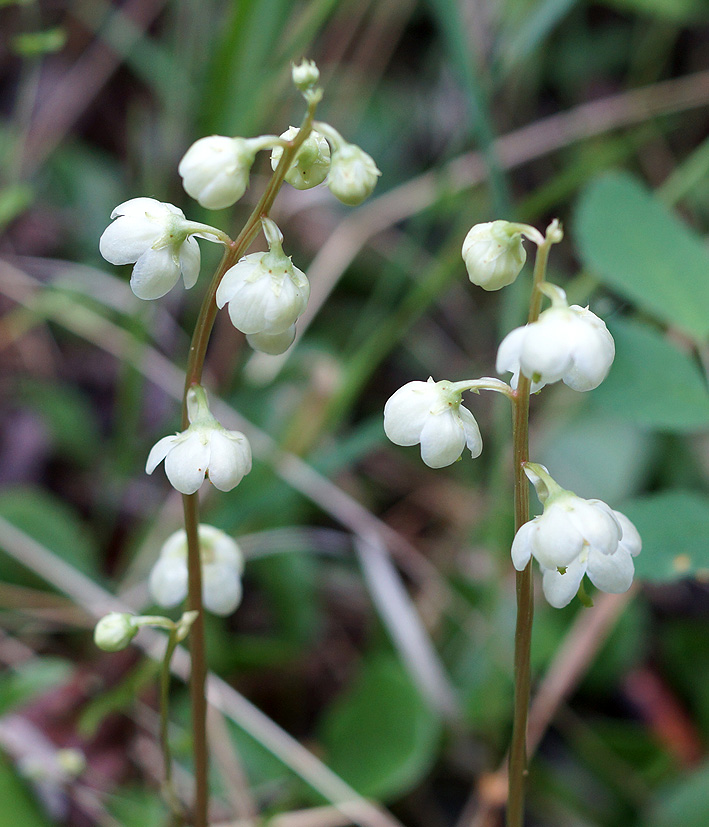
(115, 631)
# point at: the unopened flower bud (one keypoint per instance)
(305, 75)
(115, 631)
(353, 173)
(311, 163)
(493, 254)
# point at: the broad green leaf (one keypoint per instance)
(684, 803)
(674, 526)
(644, 252)
(380, 735)
(18, 806)
(652, 383)
(52, 523)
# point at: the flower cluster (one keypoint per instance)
(564, 343)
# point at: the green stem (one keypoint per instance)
(168, 788)
(525, 594)
(195, 364)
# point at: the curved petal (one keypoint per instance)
(127, 238)
(159, 451)
(168, 582)
(272, 344)
(407, 410)
(557, 541)
(442, 439)
(186, 464)
(229, 459)
(630, 541)
(593, 351)
(226, 550)
(560, 589)
(221, 589)
(522, 545)
(189, 262)
(596, 523)
(508, 354)
(473, 440)
(155, 273)
(545, 350)
(611, 572)
(235, 277)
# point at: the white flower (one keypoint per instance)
(215, 170)
(493, 254)
(311, 163)
(305, 75)
(567, 343)
(265, 294)
(431, 413)
(156, 236)
(115, 631)
(205, 448)
(222, 567)
(574, 537)
(353, 173)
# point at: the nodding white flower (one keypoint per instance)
(115, 631)
(567, 343)
(265, 294)
(311, 163)
(206, 448)
(431, 413)
(574, 537)
(222, 567)
(493, 254)
(158, 239)
(353, 173)
(215, 170)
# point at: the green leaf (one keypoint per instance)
(674, 526)
(53, 524)
(644, 252)
(652, 383)
(686, 802)
(18, 805)
(35, 44)
(380, 735)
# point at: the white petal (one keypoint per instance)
(229, 459)
(557, 541)
(221, 589)
(175, 547)
(473, 440)
(508, 354)
(186, 464)
(155, 273)
(596, 523)
(406, 411)
(168, 581)
(593, 351)
(235, 276)
(126, 239)
(272, 344)
(630, 541)
(442, 439)
(522, 545)
(225, 549)
(189, 262)
(560, 589)
(545, 350)
(159, 451)
(611, 572)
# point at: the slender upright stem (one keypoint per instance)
(168, 788)
(525, 594)
(195, 364)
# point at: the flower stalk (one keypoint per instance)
(524, 590)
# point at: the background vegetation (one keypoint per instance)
(378, 616)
